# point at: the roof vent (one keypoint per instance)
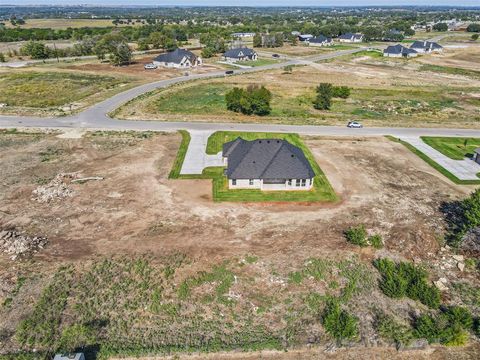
(254, 161)
(260, 141)
(268, 141)
(292, 155)
(278, 141)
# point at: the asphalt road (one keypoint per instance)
(96, 116)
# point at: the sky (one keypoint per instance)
(247, 2)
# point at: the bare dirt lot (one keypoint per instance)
(206, 269)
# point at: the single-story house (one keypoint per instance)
(240, 54)
(304, 37)
(179, 58)
(266, 164)
(399, 51)
(350, 38)
(243, 34)
(476, 155)
(426, 47)
(70, 356)
(320, 41)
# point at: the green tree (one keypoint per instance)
(257, 40)
(35, 50)
(323, 100)
(253, 100)
(440, 27)
(473, 28)
(143, 44)
(2, 57)
(121, 55)
(475, 37)
(233, 98)
(342, 92)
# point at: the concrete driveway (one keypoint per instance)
(196, 158)
(466, 169)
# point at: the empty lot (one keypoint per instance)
(186, 268)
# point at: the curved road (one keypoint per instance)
(96, 116)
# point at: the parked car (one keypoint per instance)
(150, 66)
(354, 124)
(229, 72)
(275, 55)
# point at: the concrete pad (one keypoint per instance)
(466, 169)
(196, 158)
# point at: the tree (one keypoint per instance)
(257, 40)
(2, 57)
(473, 28)
(279, 39)
(208, 52)
(143, 44)
(440, 27)
(342, 92)
(121, 55)
(35, 50)
(253, 100)
(323, 101)
(475, 37)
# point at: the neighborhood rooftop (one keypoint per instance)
(239, 52)
(175, 56)
(266, 159)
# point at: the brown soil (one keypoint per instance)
(138, 209)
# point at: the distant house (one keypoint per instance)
(241, 35)
(266, 164)
(304, 37)
(179, 58)
(240, 54)
(476, 155)
(426, 47)
(350, 38)
(320, 41)
(399, 51)
(71, 356)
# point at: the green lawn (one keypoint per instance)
(434, 164)
(177, 165)
(261, 62)
(451, 70)
(322, 190)
(454, 148)
(47, 89)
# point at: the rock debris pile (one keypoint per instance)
(19, 244)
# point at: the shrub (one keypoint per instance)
(475, 37)
(253, 100)
(357, 235)
(2, 57)
(323, 100)
(376, 241)
(342, 92)
(405, 279)
(448, 328)
(389, 329)
(464, 218)
(339, 323)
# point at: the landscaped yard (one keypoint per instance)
(322, 190)
(454, 148)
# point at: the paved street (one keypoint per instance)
(96, 117)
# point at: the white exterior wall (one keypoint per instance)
(258, 184)
(326, 43)
(392, 55)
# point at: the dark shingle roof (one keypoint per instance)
(425, 45)
(349, 36)
(320, 39)
(398, 49)
(176, 56)
(236, 53)
(266, 159)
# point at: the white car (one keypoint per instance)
(150, 66)
(354, 124)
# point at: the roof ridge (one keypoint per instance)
(274, 156)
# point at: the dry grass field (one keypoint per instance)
(435, 90)
(151, 265)
(64, 23)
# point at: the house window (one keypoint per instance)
(304, 182)
(250, 182)
(234, 182)
(289, 182)
(297, 182)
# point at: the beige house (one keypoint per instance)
(266, 164)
